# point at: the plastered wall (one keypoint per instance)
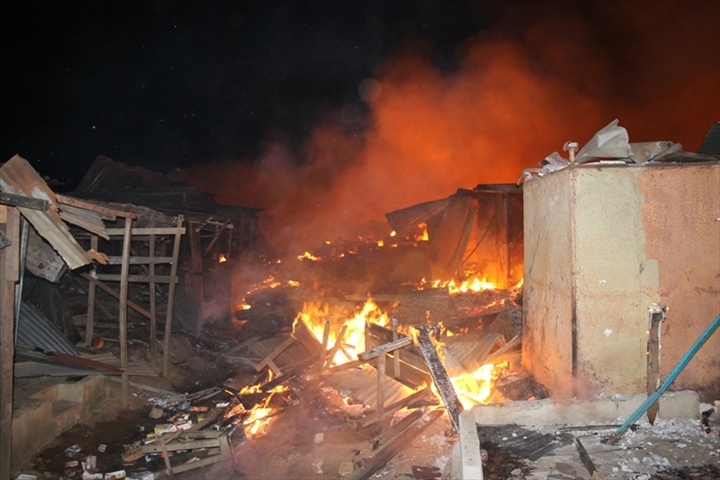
(602, 243)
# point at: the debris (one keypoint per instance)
(118, 475)
(90, 463)
(102, 447)
(426, 473)
(156, 412)
(319, 437)
(73, 450)
(72, 463)
(395, 446)
(440, 376)
(585, 458)
(346, 468)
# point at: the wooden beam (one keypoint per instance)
(281, 348)
(122, 314)
(9, 264)
(148, 231)
(380, 405)
(323, 351)
(394, 447)
(216, 237)
(137, 260)
(388, 347)
(109, 277)
(23, 201)
(153, 301)
(336, 347)
(171, 296)
(90, 323)
(440, 377)
(114, 294)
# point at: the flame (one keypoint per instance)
(308, 256)
(314, 314)
(381, 243)
(257, 418)
(475, 285)
(222, 258)
(474, 388)
(423, 237)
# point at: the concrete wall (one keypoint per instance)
(602, 243)
(547, 298)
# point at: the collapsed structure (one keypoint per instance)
(573, 285)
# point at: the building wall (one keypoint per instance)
(602, 243)
(547, 295)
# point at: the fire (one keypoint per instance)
(314, 314)
(257, 418)
(381, 243)
(308, 256)
(474, 285)
(222, 258)
(474, 388)
(423, 237)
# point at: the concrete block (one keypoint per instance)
(685, 404)
(470, 460)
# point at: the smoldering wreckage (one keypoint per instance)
(489, 336)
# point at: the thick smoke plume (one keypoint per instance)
(519, 93)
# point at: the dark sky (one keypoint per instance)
(168, 83)
(330, 114)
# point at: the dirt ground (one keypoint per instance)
(314, 432)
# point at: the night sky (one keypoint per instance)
(167, 83)
(331, 113)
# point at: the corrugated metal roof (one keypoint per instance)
(449, 241)
(86, 219)
(38, 369)
(35, 330)
(406, 220)
(19, 177)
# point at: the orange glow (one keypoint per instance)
(380, 243)
(308, 256)
(314, 314)
(222, 258)
(474, 388)
(258, 418)
(423, 237)
(474, 285)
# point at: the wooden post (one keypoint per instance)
(171, 299)
(381, 385)
(440, 377)
(9, 276)
(336, 347)
(323, 350)
(153, 307)
(90, 322)
(396, 353)
(122, 315)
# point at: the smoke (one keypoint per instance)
(543, 76)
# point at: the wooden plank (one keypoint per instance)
(123, 309)
(90, 322)
(9, 258)
(409, 373)
(23, 201)
(323, 350)
(303, 367)
(402, 403)
(114, 294)
(137, 260)
(394, 447)
(396, 355)
(386, 348)
(380, 405)
(216, 237)
(149, 231)
(41, 259)
(153, 301)
(305, 336)
(272, 355)
(440, 377)
(110, 277)
(171, 296)
(338, 344)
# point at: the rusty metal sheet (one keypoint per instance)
(449, 241)
(17, 176)
(406, 220)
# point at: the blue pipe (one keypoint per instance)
(670, 378)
